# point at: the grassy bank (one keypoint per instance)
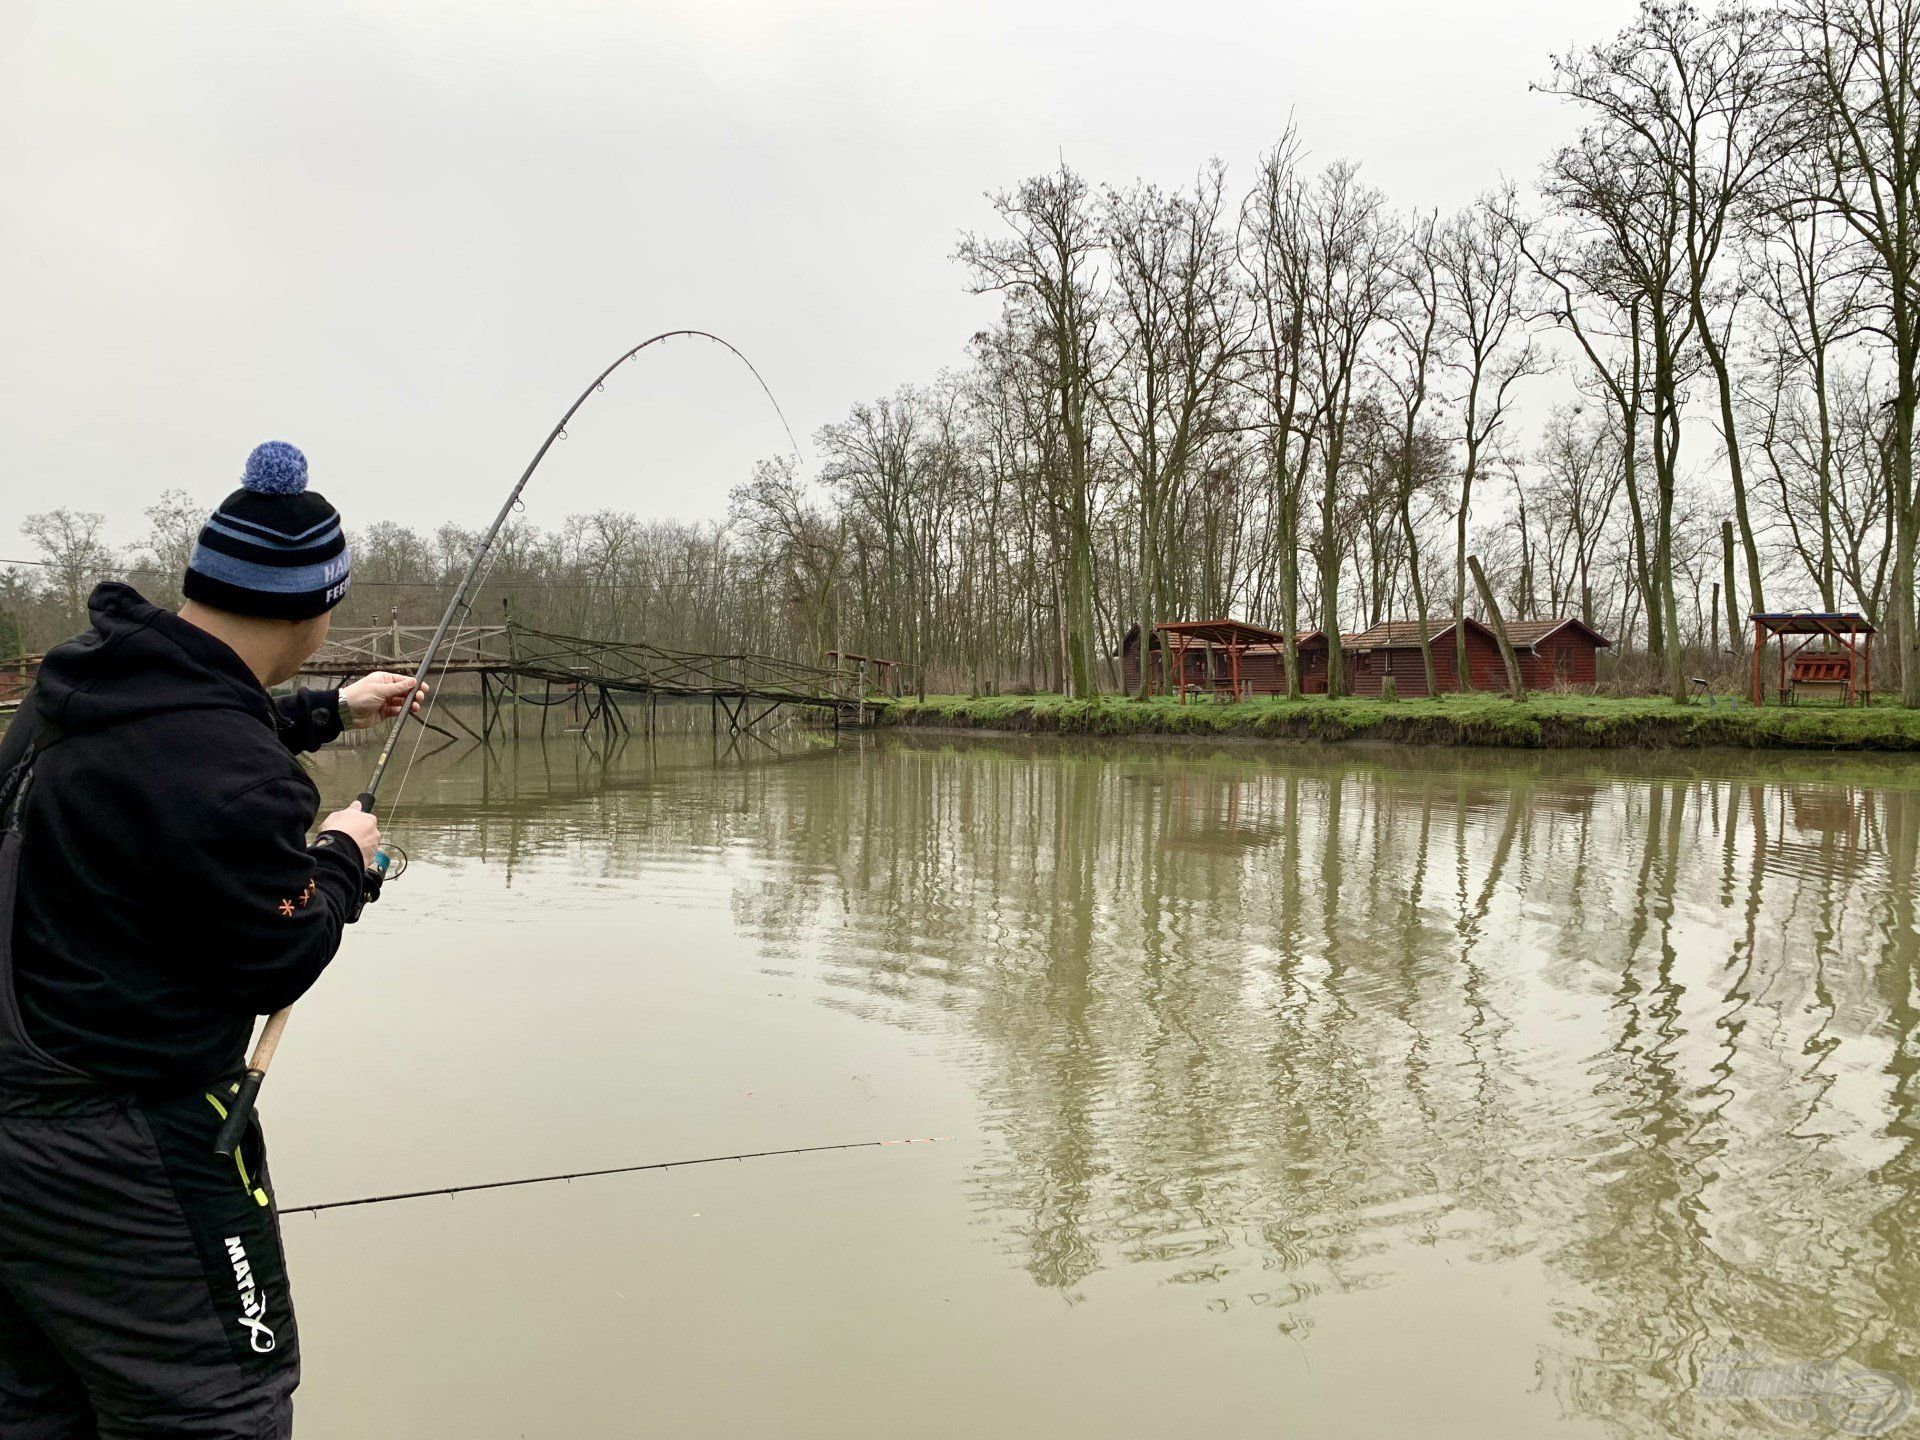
(1542, 721)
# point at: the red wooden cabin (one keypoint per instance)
(1550, 652)
(1556, 652)
(1393, 648)
(1229, 657)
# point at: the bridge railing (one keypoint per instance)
(574, 659)
(639, 665)
(400, 647)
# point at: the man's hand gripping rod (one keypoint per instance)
(240, 1104)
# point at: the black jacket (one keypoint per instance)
(167, 890)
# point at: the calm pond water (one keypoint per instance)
(1290, 1093)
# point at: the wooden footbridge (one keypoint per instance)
(509, 661)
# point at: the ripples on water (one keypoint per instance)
(1268, 1029)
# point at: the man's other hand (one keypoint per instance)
(357, 824)
(376, 697)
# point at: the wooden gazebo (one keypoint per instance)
(1842, 666)
(1212, 648)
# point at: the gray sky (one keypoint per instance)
(403, 236)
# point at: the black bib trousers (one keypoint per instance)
(143, 1289)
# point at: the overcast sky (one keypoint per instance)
(403, 236)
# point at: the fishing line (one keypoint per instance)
(433, 695)
(462, 602)
(592, 1174)
(247, 1090)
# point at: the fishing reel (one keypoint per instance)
(389, 861)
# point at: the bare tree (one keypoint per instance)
(76, 556)
(801, 543)
(1351, 259)
(1855, 91)
(1178, 328)
(1481, 270)
(1694, 98)
(1408, 366)
(1581, 465)
(1274, 254)
(1049, 266)
(1628, 224)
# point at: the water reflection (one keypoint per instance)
(1281, 1027)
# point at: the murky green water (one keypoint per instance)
(1291, 1093)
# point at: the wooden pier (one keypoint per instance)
(507, 661)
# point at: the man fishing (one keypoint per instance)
(157, 893)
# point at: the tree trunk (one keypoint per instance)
(1330, 577)
(1901, 610)
(1515, 690)
(1290, 591)
(1460, 674)
(1716, 357)
(1420, 598)
(1726, 583)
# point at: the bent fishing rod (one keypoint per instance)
(241, 1104)
(570, 1176)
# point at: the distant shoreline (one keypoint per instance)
(1544, 721)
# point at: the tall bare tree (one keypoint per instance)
(1695, 97)
(1409, 366)
(1616, 190)
(1855, 91)
(1049, 266)
(1482, 273)
(1178, 329)
(1352, 255)
(1274, 254)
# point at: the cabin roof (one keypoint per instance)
(1403, 634)
(1526, 633)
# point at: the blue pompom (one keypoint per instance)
(275, 468)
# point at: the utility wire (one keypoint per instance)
(591, 1174)
(441, 585)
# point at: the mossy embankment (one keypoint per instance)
(1541, 721)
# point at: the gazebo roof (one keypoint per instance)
(1221, 632)
(1814, 622)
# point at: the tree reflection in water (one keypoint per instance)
(1280, 1017)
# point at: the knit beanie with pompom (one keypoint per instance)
(274, 548)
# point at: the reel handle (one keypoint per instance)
(382, 858)
(246, 1094)
(233, 1129)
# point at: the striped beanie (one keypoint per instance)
(274, 548)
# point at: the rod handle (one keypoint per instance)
(365, 801)
(239, 1111)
